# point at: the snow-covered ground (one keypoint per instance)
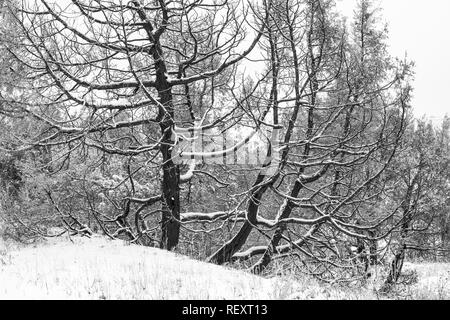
(433, 281)
(102, 269)
(98, 268)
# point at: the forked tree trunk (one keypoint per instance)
(395, 268)
(286, 211)
(399, 256)
(225, 253)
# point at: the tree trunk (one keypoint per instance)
(286, 211)
(225, 253)
(395, 268)
(399, 256)
(170, 205)
(170, 184)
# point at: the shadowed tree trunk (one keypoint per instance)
(400, 252)
(225, 253)
(170, 226)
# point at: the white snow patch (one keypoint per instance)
(102, 269)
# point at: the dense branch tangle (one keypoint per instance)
(341, 131)
(122, 77)
(109, 70)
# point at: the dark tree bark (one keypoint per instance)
(226, 252)
(170, 226)
(408, 207)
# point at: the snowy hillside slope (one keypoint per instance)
(98, 268)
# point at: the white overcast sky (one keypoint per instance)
(422, 30)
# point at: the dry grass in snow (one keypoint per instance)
(433, 282)
(103, 269)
